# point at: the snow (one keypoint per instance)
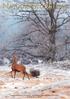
(49, 79)
(6, 61)
(5, 68)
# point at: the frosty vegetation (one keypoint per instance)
(50, 78)
(43, 36)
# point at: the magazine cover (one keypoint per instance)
(34, 49)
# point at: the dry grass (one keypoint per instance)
(56, 93)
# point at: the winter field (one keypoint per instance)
(53, 83)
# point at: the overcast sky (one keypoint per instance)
(27, 0)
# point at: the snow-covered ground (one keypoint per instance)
(53, 82)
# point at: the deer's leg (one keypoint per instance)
(24, 75)
(27, 75)
(14, 73)
(11, 74)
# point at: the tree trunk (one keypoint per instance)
(52, 48)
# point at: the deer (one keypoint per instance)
(18, 68)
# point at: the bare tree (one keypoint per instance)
(48, 20)
(67, 43)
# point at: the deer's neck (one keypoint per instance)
(14, 64)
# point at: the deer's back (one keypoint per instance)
(19, 67)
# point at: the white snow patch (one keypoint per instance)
(47, 70)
